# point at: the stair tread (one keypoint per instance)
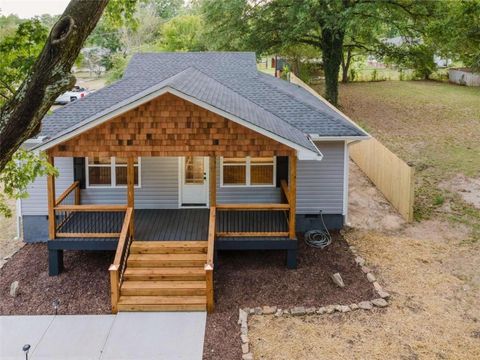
(161, 307)
(170, 244)
(161, 300)
(167, 284)
(179, 257)
(165, 270)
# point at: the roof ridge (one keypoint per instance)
(253, 102)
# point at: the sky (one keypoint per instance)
(29, 8)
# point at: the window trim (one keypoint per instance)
(113, 179)
(248, 183)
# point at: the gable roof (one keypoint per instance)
(225, 82)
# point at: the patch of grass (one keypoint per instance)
(432, 124)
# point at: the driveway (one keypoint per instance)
(138, 336)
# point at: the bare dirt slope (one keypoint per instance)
(432, 274)
(9, 244)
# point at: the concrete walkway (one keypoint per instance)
(125, 336)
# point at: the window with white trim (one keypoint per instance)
(110, 171)
(248, 171)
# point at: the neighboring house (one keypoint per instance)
(210, 153)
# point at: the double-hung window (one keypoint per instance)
(110, 171)
(249, 171)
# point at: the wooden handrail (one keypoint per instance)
(286, 191)
(210, 259)
(123, 236)
(67, 192)
(116, 269)
(84, 208)
(253, 207)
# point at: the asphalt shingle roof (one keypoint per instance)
(228, 81)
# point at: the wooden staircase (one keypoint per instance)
(165, 276)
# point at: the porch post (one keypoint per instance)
(131, 188)
(213, 180)
(292, 186)
(51, 201)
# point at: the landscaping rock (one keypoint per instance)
(330, 309)
(383, 294)
(380, 302)
(322, 310)
(269, 310)
(244, 339)
(310, 310)
(244, 330)
(251, 311)
(242, 317)
(377, 286)
(371, 277)
(353, 307)
(258, 311)
(337, 279)
(248, 356)
(360, 261)
(279, 313)
(298, 311)
(245, 348)
(345, 308)
(365, 305)
(14, 289)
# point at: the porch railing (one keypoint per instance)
(209, 265)
(119, 264)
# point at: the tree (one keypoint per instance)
(183, 33)
(455, 31)
(18, 53)
(324, 24)
(27, 101)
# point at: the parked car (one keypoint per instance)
(76, 93)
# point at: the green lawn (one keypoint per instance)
(435, 126)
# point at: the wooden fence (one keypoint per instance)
(390, 174)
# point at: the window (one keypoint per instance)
(249, 171)
(110, 172)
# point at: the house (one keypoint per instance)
(188, 154)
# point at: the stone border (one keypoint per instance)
(379, 302)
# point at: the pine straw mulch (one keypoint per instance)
(250, 279)
(82, 288)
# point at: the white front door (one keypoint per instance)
(194, 181)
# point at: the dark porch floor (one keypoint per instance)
(172, 224)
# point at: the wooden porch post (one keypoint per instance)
(213, 180)
(131, 188)
(292, 186)
(51, 201)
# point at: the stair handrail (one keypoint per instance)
(117, 268)
(209, 265)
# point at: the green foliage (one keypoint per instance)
(418, 57)
(455, 31)
(8, 25)
(19, 172)
(119, 63)
(18, 53)
(183, 33)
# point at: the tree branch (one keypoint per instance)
(21, 116)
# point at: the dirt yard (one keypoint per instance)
(431, 266)
(9, 243)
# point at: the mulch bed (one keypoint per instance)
(242, 279)
(82, 288)
(250, 279)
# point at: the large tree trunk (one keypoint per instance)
(21, 116)
(332, 52)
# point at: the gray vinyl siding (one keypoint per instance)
(37, 203)
(320, 183)
(237, 195)
(159, 187)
